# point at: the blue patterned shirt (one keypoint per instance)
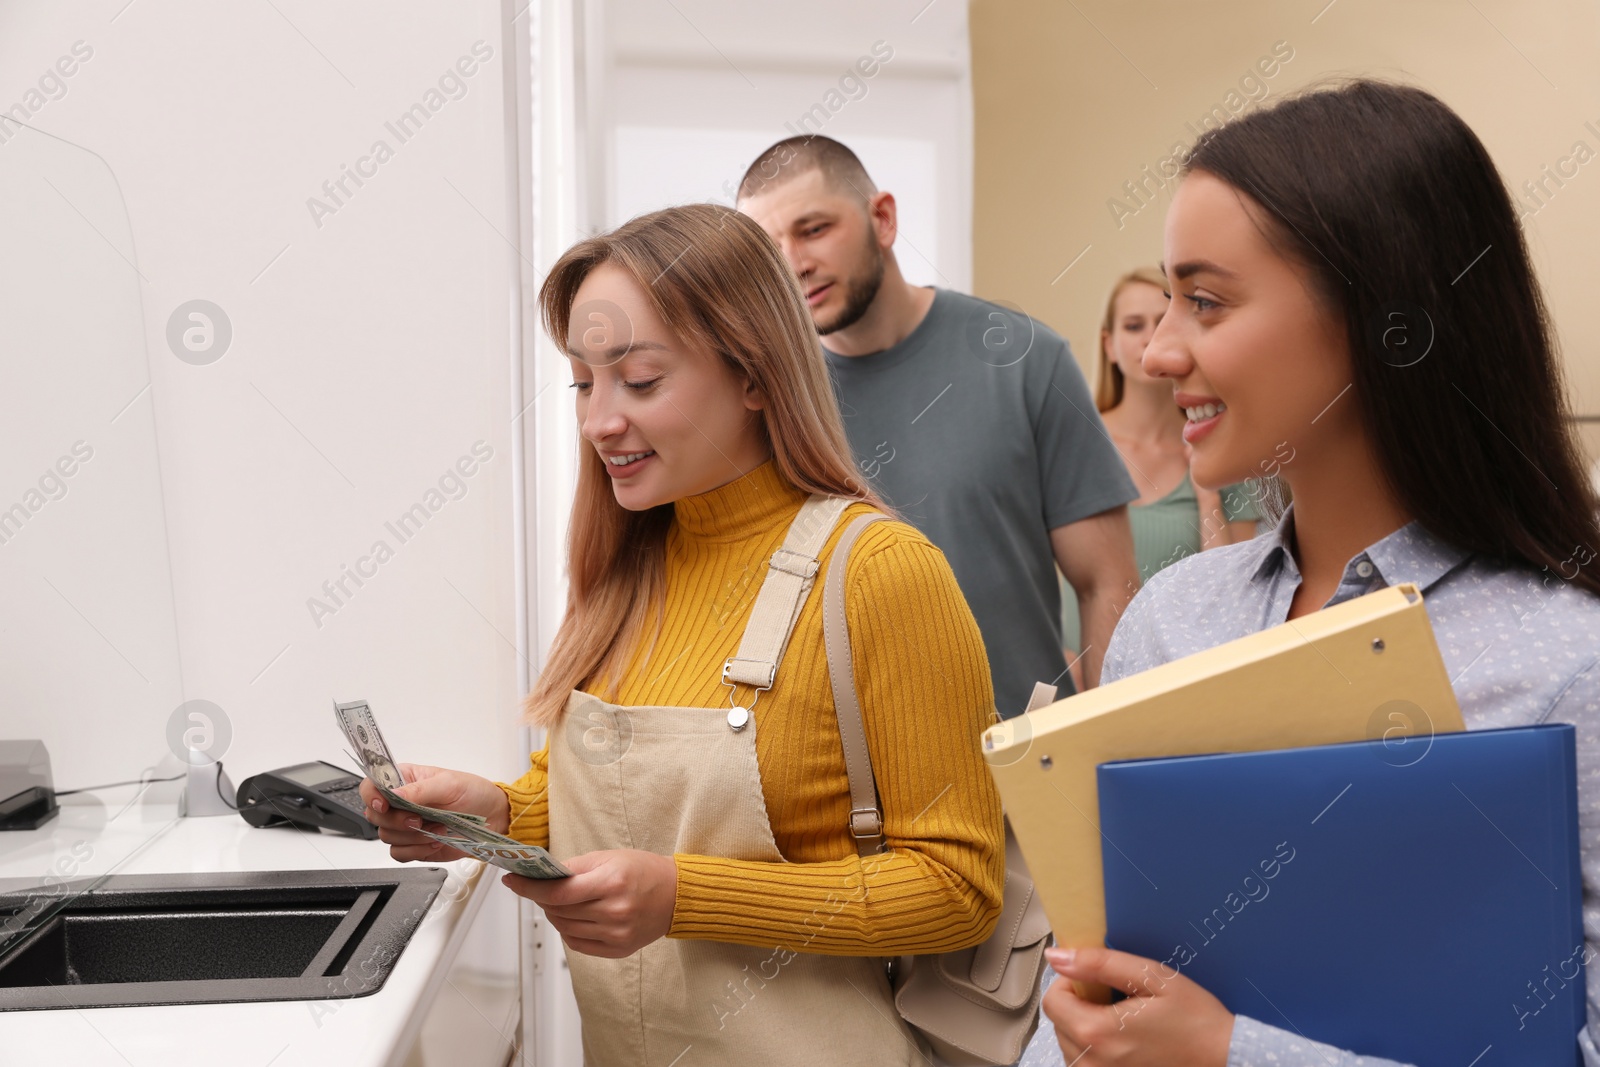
(1521, 646)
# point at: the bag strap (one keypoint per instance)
(791, 572)
(866, 820)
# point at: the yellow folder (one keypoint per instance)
(1368, 668)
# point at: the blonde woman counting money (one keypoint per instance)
(718, 900)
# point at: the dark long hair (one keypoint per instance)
(1395, 209)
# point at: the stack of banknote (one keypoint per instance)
(464, 831)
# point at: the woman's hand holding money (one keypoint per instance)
(616, 902)
(433, 787)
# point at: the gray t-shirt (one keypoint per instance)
(978, 428)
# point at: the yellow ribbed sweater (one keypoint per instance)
(925, 694)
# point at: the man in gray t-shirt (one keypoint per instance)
(973, 421)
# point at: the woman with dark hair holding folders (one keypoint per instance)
(1348, 278)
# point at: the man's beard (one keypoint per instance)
(859, 292)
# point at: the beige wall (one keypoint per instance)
(1073, 100)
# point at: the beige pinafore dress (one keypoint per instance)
(678, 779)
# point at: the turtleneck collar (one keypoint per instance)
(747, 506)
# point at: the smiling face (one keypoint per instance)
(1252, 353)
(830, 241)
(1139, 306)
(668, 418)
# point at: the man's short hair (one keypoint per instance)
(793, 156)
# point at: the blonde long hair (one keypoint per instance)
(719, 283)
(1109, 383)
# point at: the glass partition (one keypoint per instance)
(88, 630)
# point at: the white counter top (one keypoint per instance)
(90, 838)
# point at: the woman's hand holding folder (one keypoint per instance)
(1165, 1019)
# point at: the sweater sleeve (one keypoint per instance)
(926, 697)
(530, 801)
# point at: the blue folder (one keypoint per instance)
(1417, 902)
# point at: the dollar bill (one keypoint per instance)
(360, 728)
(530, 861)
(466, 832)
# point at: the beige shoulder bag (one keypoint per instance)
(976, 1007)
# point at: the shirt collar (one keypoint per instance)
(1271, 550)
(1410, 554)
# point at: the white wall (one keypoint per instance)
(369, 354)
(694, 90)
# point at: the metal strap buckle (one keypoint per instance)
(733, 686)
(807, 566)
(727, 668)
(873, 820)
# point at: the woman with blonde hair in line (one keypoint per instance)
(708, 822)
(1173, 517)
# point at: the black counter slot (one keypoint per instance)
(93, 946)
(182, 939)
(358, 937)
